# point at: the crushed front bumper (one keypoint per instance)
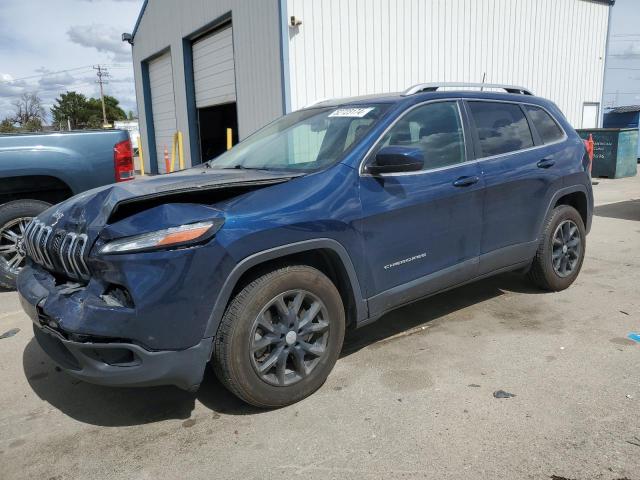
(107, 360)
(125, 364)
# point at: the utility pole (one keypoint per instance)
(102, 74)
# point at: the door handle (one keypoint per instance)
(546, 163)
(466, 181)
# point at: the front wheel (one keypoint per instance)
(280, 337)
(561, 250)
(14, 217)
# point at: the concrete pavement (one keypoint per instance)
(411, 397)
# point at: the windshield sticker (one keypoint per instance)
(351, 112)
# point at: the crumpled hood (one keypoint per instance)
(89, 212)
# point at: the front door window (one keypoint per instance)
(436, 128)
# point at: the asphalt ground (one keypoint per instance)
(412, 395)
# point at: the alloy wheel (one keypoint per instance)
(289, 337)
(567, 248)
(12, 251)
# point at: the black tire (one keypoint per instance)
(543, 272)
(9, 213)
(234, 360)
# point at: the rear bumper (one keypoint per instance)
(125, 364)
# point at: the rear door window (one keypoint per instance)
(546, 126)
(502, 127)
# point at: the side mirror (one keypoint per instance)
(395, 159)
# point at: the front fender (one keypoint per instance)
(278, 252)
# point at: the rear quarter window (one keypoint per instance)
(546, 126)
(502, 127)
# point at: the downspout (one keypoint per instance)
(604, 73)
(284, 57)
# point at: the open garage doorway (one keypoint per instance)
(213, 123)
(215, 90)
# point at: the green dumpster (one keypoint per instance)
(614, 152)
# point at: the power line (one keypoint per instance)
(51, 74)
(47, 74)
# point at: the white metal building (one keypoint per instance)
(202, 66)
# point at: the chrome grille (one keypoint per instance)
(58, 251)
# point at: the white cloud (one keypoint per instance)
(104, 38)
(55, 81)
(10, 87)
(32, 52)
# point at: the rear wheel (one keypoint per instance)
(280, 337)
(14, 218)
(561, 250)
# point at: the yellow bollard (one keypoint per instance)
(180, 151)
(174, 147)
(141, 156)
(229, 138)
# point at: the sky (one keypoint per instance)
(50, 46)
(622, 77)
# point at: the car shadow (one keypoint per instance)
(116, 407)
(109, 406)
(425, 312)
(629, 210)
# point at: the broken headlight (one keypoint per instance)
(182, 236)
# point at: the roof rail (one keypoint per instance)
(432, 87)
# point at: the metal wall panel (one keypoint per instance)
(162, 105)
(257, 54)
(356, 47)
(214, 69)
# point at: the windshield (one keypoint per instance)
(305, 140)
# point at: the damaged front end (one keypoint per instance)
(120, 293)
(102, 359)
(125, 324)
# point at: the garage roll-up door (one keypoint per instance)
(214, 69)
(163, 105)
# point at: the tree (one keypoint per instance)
(7, 126)
(83, 112)
(33, 125)
(29, 110)
(112, 108)
(70, 108)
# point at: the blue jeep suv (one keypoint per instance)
(259, 260)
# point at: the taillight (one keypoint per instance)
(123, 161)
(590, 146)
